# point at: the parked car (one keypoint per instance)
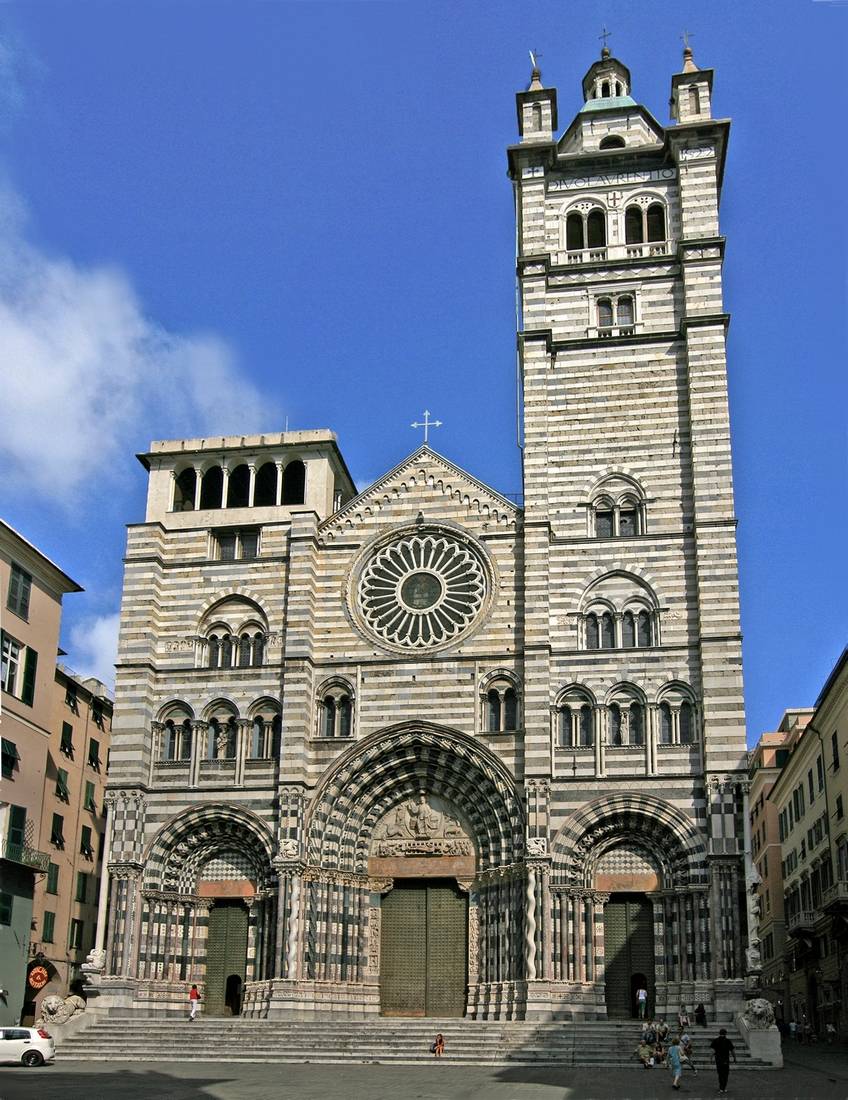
(33, 1046)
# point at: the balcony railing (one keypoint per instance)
(803, 919)
(613, 252)
(23, 854)
(834, 895)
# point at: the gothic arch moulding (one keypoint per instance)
(396, 765)
(670, 836)
(187, 842)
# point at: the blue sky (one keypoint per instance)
(216, 216)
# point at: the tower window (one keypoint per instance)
(237, 545)
(592, 634)
(644, 629)
(604, 313)
(634, 232)
(665, 724)
(184, 489)
(656, 222)
(294, 483)
(694, 100)
(605, 90)
(607, 631)
(596, 229)
(628, 630)
(238, 487)
(212, 488)
(612, 141)
(265, 488)
(628, 521)
(574, 232)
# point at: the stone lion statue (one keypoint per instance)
(758, 1014)
(58, 1010)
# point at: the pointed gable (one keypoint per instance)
(425, 478)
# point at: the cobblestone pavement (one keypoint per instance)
(822, 1076)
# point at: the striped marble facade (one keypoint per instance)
(561, 806)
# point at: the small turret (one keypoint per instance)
(691, 90)
(606, 79)
(537, 108)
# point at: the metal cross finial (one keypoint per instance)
(426, 424)
(604, 35)
(686, 36)
(534, 58)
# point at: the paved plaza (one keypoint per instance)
(822, 1074)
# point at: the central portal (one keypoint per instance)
(424, 949)
(628, 952)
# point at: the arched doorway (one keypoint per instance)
(628, 952)
(226, 957)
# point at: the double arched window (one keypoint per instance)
(616, 314)
(585, 229)
(500, 704)
(335, 709)
(644, 223)
(575, 723)
(265, 731)
(617, 508)
(175, 733)
(676, 718)
(630, 629)
(626, 718)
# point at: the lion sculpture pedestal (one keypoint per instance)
(758, 1029)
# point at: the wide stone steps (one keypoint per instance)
(468, 1042)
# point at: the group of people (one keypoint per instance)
(657, 1047)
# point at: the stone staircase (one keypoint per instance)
(390, 1041)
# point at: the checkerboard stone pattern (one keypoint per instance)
(627, 509)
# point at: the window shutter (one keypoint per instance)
(30, 664)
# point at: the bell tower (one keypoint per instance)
(632, 617)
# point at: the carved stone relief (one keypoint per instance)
(424, 825)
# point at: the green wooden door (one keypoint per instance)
(424, 949)
(226, 957)
(628, 952)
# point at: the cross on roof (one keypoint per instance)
(604, 35)
(686, 36)
(534, 58)
(426, 424)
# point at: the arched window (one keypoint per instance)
(586, 726)
(618, 88)
(294, 483)
(238, 487)
(232, 739)
(592, 634)
(615, 724)
(644, 629)
(212, 488)
(536, 116)
(213, 650)
(694, 100)
(625, 311)
(628, 519)
(184, 490)
(510, 710)
(265, 487)
(170, 741)
(604, 313)
(574, 232)
(607, 631)
(565, 727)
(604, 521)
(276, 736)
(258, 649)
(185, 740)
(212, 733)
(605, 90)
(637, 724)
(656, 222)
(226, 651)
(493, 711)
(634, 232)
(329, 717)
(687, 725)
(244, 651)
(345, 711)
(665, 724)
(596, 229)
(257, 739)
(628, 630)
(612, 141)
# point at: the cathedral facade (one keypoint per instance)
(421, 751)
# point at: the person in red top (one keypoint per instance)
(193, 1000)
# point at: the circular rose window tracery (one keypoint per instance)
(422, 590)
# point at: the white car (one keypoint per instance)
(33, 1046)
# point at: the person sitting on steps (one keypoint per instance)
(438, 1047)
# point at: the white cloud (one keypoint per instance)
(87, 377)
(94, 647)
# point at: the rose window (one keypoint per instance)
(422, 590)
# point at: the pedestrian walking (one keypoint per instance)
(830, 1031)
(723, 1051)
(194, 1001)
(675, 1064)
(793, 1027)
(641, 1001)
(687, 1053)
(438, 1047)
